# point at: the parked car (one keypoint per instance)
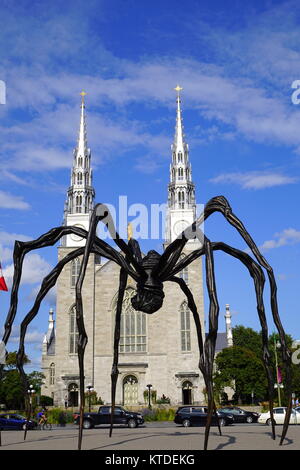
(15, 421)
(103, 416)
(279, 416)
(197, 416)
(240, 415)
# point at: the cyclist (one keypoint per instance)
(42, 417)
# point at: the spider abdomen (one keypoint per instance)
(148, 299)
(150, 295)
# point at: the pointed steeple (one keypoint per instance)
(81, 194)
(228, 327)
(82, 147)
(181, 190)
(179, 135)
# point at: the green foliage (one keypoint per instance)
(46, 401)
(241, 366)
(247, 338)
(36, 379)
(241, 369)
(11, 390)
(60, 416)
(11, 360)
(93, 398)
(159, 414)
(163, 400)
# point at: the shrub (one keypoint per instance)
(158, 414)
(46, 401)
(60, 416)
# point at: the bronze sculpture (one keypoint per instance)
(150, 272)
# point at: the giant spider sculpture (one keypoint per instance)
(150, 272)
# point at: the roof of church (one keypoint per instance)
(221, 342)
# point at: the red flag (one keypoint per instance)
(3, 285)
(279, 376)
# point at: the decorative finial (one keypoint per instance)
(129, 231)
(82, 94)
(178, 89)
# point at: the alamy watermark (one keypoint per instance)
(149, 223)
(2, 92)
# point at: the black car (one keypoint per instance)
(240, 415)
(121, 416)
(197, 416)
(14, 421)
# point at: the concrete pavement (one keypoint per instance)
(154, 436)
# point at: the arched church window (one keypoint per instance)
(180, 173)
(75, 270)
(79, 178)
(73, 331)
(80, 161)
(185, 327)
(133, 336)
(52, 374)
(78, 204)
(181, 199)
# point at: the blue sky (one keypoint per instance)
(236, 62)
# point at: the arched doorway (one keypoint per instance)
(187, 387)
(73, 394)
(130, 390)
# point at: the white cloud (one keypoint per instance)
(288, 236)
(254, 179)
(35, 268)
(33, 336)
(7, 241)
(9, 201)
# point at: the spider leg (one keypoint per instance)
(257, 274)
(193, 308)
(48, 282)
(100, 214)
(210, 342)
(115, 371)
(47, 239)
(221, 204)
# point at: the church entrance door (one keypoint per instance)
(187, 393)
(73, 395)
(130, 390)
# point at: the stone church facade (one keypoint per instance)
(158, 350)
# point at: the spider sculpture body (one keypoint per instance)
(150, 272)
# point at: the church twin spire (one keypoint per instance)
(81, 192)
(181, 187)
(181, 190)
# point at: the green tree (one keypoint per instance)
(36, 379)
(247, 338)
(241, 369)
(11, 360)
(11, 390)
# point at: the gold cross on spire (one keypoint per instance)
(129, 231)
(178, 89)
(82, 94)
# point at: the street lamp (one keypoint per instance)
(30, 393)
(278, 384)
(89, 387)
(149, 386)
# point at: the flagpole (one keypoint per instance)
(276, 365)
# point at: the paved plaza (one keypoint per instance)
(152, 437)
